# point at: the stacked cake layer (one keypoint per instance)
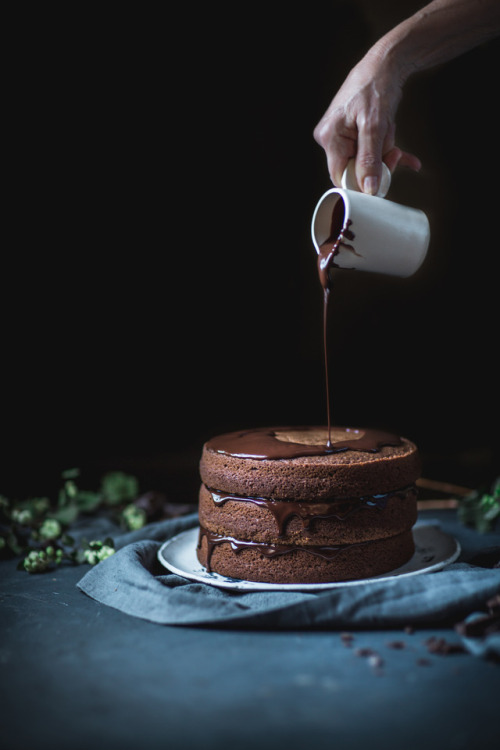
(281, 505)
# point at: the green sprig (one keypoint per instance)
(481, 509)
(95, 551)
(42, 560)
(36, 529)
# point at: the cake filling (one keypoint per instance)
(283, 510)
(269, 550)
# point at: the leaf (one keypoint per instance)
(118, 487)
(62, 498)
(79, 556)
(492, 513)
(66, 514)
(481, 508)
(88, 501)
(71, 473)
(37, 505)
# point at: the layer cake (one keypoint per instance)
(304, 505)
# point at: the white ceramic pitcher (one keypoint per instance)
(383, 237)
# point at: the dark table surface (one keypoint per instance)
(75, 673)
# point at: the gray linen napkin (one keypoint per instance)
(133, 581)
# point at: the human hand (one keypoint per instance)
(360, 124)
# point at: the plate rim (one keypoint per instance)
(214, 579)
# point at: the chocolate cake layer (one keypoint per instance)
(343, 474)
(260, 519)
(291, 564)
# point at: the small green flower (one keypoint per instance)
(50, 529)
(90, 556)
(105, 552)
(54, 554)
(39, 561)
(134, 517)
(97, 552)
(118, 487)
(23, 516)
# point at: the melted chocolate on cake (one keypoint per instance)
(269, 550)
(264, 443)
(283, 510)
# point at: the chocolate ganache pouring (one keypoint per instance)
(318, 504)
(356, 231)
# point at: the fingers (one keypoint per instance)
(395, 157)
(337, 162)
(338, 147)
(411, 161)
(373, 139)
(370, 146)
(392, 158)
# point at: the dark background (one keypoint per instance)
(159, 281)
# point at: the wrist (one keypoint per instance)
(391, 58)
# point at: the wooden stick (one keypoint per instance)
(436, 504)
(449, 489)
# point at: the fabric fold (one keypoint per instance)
(133, 581)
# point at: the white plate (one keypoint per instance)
(433, 550)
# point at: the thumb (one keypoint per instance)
(369, 160)
(368, 172)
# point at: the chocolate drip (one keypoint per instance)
(339, 229)
(326, 295)
(264, 443)
(268, 550)
(283, 510)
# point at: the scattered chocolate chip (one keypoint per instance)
(423, 662)
(479, 626)
(409, 629)
(443, 647)
(347, 638)
(398, 645)
(373, 658)
(493, 604)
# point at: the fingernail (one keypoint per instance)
(370, 185)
